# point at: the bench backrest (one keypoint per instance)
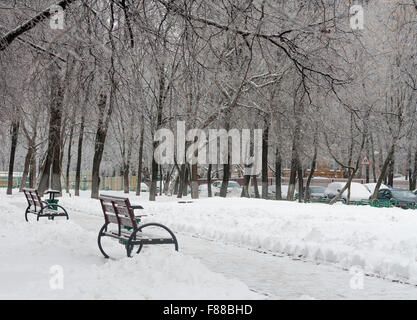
(33, 198)
(118, 210)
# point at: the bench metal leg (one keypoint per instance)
(100, 235)
(140, 249)
(26, 214)
(174, 238)
(129, 246)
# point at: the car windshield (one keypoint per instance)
(233, 184)
(317, 189)
(405, 194)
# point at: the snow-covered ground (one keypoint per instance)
(32, 254)
(220, 244)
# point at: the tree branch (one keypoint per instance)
(12, 35)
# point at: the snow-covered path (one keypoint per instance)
(220, 266)
(284, 278)
(277, 276)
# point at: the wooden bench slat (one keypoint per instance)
(34, 200)
(118, 210)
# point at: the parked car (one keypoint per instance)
(371, 187)
(270, 194)
(144, 187)
(358, 192)
(272, 191)
(316, 192)
(399, 197)
(233, 188)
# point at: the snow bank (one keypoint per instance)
(28, 251)
(382, 241)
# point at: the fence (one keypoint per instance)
(4, 180)
(117, 183)
(107, 183)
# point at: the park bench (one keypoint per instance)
(42, 208)
(119, 214)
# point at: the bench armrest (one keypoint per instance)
(136, 207)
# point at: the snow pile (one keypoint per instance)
(31, 252)
(159, 273)
(382, 241)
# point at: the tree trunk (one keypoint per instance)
(79, 157)
(25, 169)
(391, 172)
(373, 158)
(367, 169)
(209, 181)
(383, 171)
(127, 156)
(194, 181)
(181, 177)
(226, 167)
(294, 159)
(177, 184)
(265, 158)
(293, 177)
(13, 146)
(126, 186)
(307, 192)
(349, 184)
(225, 179)
(161, 99)
(103, 122)
(154, 178)
(246, 187)
(140, 160)
(300, 181)
(409, 171)
(354, 170)
(53, 156)
(167, 181)
(255, 186)
(161, 178)
(32, 171)
(278, 169)
(67, 182)
(414, 175)
(194, 174)
(101, 134)
(186, 179)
